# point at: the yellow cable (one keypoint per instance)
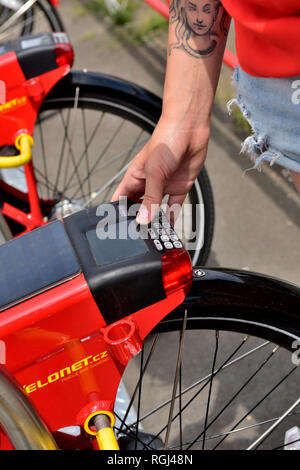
(106, 439)
(23, 143)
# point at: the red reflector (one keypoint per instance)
(177, 271)
(64, 54)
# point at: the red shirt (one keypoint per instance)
(267, 36)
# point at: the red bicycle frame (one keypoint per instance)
(17, 117)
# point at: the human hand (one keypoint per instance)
(167, 165)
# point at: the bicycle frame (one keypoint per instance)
(24, 96)
(32, 218)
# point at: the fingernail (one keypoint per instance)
(142, 218)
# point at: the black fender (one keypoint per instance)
(117, 90)
(252, 299)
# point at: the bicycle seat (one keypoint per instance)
(35, 262)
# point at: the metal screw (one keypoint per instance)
(199, 273)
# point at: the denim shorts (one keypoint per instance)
(271, 107)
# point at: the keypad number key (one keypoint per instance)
(177, 244)
(168, 245)
(158, 245)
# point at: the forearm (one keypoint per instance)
(195, 50)
(174, 155)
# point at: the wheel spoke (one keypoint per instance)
(63, 147)
(46, 184)
(130, 433)
(238, 430)
(269, 431)
(107, 185)
(180, 406)
(69, 138)
(280, 447)
(262, 365)
(128, 156)
(139, 395)
(203, 386)
(225, 365)
(258, 403)
(95, 131)
(109, 163)
(152, 349)
(210, 388)
(86, 153)
(102, 154)
(44, 156)
(176, 378)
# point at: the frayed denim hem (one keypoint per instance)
(257, 145)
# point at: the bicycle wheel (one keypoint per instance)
(41, 17)
(88, 130)
(231, 388)
(19, 420)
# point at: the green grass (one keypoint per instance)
(137, 22)
(153, 23)
(119, 18)
(239, 121)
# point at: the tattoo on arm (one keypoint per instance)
(198, 25)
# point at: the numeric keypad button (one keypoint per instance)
(177, 244)
(158, 245)
(168, 245)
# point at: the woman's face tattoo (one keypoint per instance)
(201, 15)
(197, 25)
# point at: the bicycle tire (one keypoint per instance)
(27, 20)
(55, 22)
(213, 318)
(139, 109)
(4, 12)
(42, 17)
(19, 419)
